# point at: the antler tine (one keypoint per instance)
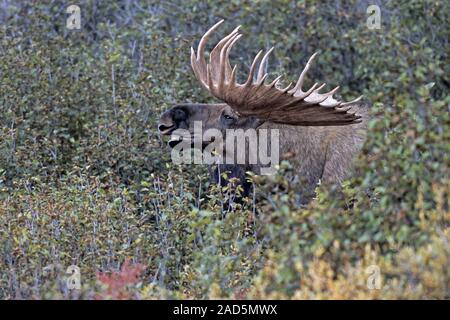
(286, 88)
(263, 78)
(204, 39)
(351, 102)
(252, 69)
(330, 101)
(332, 91)
(209, 78)
(263, 65)
(319, 88)
(223, 42)
(198, 61)
(315, 97)
(215, 55)
(275, 81)
(233, 75)
(224, 63)
(228, 54)
(307, 93)
(301, 78)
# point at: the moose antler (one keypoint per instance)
(266, 101)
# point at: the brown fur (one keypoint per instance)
(317, 153)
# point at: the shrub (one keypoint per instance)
(86, 180)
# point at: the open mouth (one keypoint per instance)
(166, 130)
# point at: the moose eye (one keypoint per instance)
(227, 117)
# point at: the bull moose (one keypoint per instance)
(319, 134)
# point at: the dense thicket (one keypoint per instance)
(85, 179)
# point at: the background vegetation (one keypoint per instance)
(85, 179)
